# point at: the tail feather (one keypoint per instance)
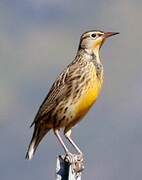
(37, 137)
(31, 151)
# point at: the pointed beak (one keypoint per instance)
(109, 34)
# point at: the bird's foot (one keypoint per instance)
(76, 160)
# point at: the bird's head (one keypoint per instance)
(93, 40)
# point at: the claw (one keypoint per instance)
(76, 161)
(69, 157)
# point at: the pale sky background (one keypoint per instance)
(38, 38)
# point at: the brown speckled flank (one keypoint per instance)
(73, 93)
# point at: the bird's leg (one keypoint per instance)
(56, 132)
(78, 161)
(68, 136)
(69, 157)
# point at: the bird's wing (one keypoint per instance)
(58, 91)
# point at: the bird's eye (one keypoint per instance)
(93, 35)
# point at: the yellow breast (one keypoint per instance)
(88, 98)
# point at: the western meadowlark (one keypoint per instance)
(73, 93)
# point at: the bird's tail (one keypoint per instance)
(36, 138)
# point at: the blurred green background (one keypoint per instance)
(38, 38)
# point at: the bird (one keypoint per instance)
(72, 94)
